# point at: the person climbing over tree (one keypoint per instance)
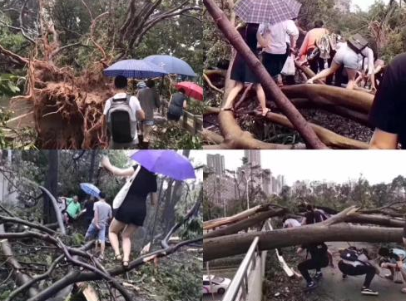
(313, 216)
(149, 100)
(388, 113)
(356, 262)
(319, 258)
(242, 74)
(97, 228)
(132, 211)
(348, 57)
(309, 49)
(121, 113)
(176, 106)
(73, 209)
(393, 260)
(276, 50)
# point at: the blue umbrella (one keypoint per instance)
(135, 69)
(90, 189)
(166, 162)
(171, 64)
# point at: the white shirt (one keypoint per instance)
(291, 223)
(276, 35)
(134, 105)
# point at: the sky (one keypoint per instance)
(365, 4)
(336, 166)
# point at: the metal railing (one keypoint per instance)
(238, 288)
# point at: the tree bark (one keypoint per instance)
(52, 185)
(231, 245)
(244, 224)
(270, 88)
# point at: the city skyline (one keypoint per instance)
(375, 166)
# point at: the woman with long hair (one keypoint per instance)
(132, 211)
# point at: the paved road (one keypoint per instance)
(339, 289)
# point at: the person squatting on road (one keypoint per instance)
(319, 258)
(356, 262)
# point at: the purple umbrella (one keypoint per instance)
(166, 162)
(267, 11)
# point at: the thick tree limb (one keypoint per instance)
(56, 208)
(270, 88)
(359, 101)
(239, 243)
(20, 277)
(245, 223)
(212, 137)
(16, 220)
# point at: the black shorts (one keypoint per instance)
(274, 63)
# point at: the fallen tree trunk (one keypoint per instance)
(270, 87)
(355, 100)
(245, 224)
(212, 137)
(235, 138)
(239, 243)
(379, 220)
(328, 137)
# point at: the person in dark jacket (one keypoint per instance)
(131, 213)
(319, 258)
(176, 105)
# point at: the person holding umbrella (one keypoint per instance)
(131, 213)
(121, 114)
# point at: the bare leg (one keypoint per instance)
(325, 73)
(115, 228)
(262, 99)
(127, 234)
(102, 248)
(351, 78)
(233, 94)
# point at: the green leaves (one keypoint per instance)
(10, 84)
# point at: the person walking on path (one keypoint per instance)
(97, 228)
(131, 213)
(176, 106)
(121, 113)
(149, 100)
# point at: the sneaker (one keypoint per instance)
(311, 285)
(369, 292)
(318, 275)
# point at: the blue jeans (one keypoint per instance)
(93, 232)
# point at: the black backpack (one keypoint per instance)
(349, 255)
(121, 120)
(357, 43)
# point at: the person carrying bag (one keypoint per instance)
(129, 206)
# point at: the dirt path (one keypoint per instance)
(338, 289)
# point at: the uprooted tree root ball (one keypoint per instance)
(68, 110)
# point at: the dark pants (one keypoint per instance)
(350, 270)
(312, 264)
(274, 63)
